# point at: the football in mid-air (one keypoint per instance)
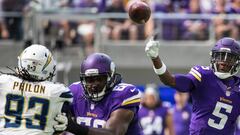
(139, 11)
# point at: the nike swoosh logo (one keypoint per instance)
(132, 90)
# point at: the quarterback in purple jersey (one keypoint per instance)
(102, 103)
(155, 118)
(214, 89)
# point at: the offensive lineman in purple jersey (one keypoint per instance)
(155, 119)
(102, 104)
(214, 89)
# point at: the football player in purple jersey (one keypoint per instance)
(102, 103)
(155, 118)
(214, 89)
(182, 111)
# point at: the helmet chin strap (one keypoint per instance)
(222, 75)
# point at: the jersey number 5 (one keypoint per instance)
(15, 107)
(223, 117)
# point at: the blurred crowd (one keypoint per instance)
(159, 117)
(198, 29)
(68, 33)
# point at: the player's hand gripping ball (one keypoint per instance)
(139, 11)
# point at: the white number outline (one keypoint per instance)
(205, 67)
(223, 117)
(150, 124)
(120, 87)
(97, 123)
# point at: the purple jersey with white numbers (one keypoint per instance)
(153, 121)
(181, 119)
(95, 115)
(215, 101)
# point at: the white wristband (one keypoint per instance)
(161, 70)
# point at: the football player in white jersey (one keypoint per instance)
(29, 100)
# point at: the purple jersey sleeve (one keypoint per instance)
(76, 90)
(188, 82)
(128, 96)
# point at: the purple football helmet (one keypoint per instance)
(97, 75)
(225, 57)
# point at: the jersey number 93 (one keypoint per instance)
(14, 110)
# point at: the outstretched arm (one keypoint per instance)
(117, 124)
(152, 51)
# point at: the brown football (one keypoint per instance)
(139, 12)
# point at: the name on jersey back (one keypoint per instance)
(28, 87)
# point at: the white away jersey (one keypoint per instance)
(29, 108)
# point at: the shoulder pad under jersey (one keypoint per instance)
(199, 71)
(128, 93)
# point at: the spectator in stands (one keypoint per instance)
(53, 30)
(223, 27)
(181, 113)
(3, 30)
(155, 119)
(76, 32)
(206, 6)
(181, 6)
(194, 29)
(85, 29)
(14, 24)
(119, 29)
(99, 5)
(82, 31)
(169, 28)
(38, 5)
(235, 9)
